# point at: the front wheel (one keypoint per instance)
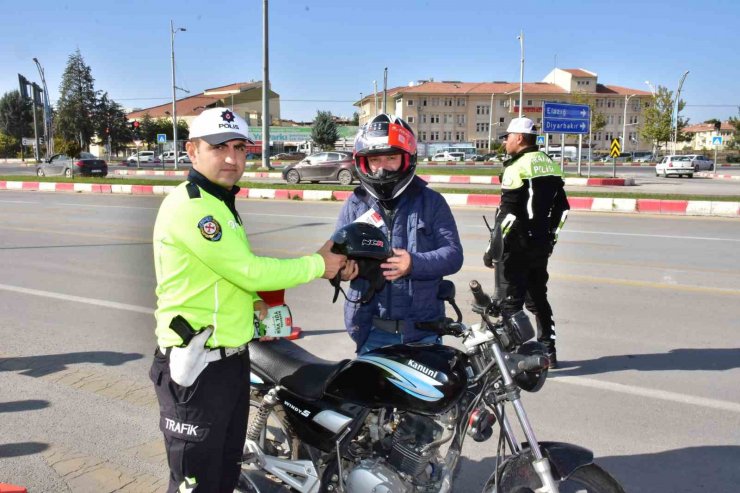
(589, 478)
(68, 173)
(345, 177)
(293, 177)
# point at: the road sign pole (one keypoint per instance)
(580, 146)
(714, 164)
(562, 151)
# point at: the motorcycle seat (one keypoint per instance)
(288, 364)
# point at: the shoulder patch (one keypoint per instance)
(210, 228)
(193, 190)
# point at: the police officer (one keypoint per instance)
(533, 208)
(207, 280)
(422, 232)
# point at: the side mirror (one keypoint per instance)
(446, 290)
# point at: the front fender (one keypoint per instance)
(517, 472)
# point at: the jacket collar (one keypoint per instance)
(228, 197)
(519, 154)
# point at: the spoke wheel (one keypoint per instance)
(293, 177)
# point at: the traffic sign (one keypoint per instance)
(137, 142)
(716, 140)
(561, 118)
(540, 140)
(616, 149)
(161, 138)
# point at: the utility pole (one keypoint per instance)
(385, 90)
(174, 95)
(265, 89)
(521, 74)
(624, 122)
(490, 123)
(375, 92)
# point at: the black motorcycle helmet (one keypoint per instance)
(369, 247)
(385, 134)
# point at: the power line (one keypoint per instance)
(281, 100)
(714, 105)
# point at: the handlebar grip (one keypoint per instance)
(482, 300)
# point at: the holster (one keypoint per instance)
(190, 359)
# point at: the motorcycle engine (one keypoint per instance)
(413, 434)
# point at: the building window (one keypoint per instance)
(501, 120)
(610, 103)
(434, 135)
(482, 109)
(459, 136)
(461, 101)
(504, 103)
(423, 118)
(424, 102)
(410, 102)
(529, 102)
(599, 103)
(410, 119)
(446, 135)
(435, 101)
(433, 118)
(461, 119)
(448, 101)
(482, 127)
(448, 118)
(422, 136)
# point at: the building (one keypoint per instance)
(244, 98)
(472, 112)
(701, 136)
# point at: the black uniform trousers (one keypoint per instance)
(521, 280)
(204, 425)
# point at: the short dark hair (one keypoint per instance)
(529, 139)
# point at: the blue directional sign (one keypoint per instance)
(161, 138)
(716, 140)
(540, 140)
(562, 118)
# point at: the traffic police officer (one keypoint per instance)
(532, 211)
(207, 280)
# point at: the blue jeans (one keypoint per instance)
(379, 338)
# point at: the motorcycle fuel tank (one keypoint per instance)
(421, 378)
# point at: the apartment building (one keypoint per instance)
(456, 112)
(701, 136)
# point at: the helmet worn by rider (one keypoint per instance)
(385, 135)
(369, 247)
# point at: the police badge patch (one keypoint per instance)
(209, 228)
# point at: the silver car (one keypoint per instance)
(700, 162)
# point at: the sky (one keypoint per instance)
(325, 54)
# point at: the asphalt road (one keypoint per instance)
(648, 324)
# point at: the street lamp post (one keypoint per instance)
(174, 95)
(48, 135)
(265, 87)
(490, 123)
(521, 74)
(624, 122)
(678, 95)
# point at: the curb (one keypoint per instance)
(593, 204)
(715, 176)
(457, 179)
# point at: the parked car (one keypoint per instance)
(144, 157)
(643, 157)
(288, 156)
(85, 164)
(169, 157)
(448, 156)
(675, 165)
(700, 162)
(322, 166)
(555, 156)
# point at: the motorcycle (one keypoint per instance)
(394, 419)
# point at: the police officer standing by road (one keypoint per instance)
(532, 211)
(207, 279)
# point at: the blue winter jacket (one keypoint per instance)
(423, 225)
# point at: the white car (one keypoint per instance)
(144, 157)
(169, 157)
(448, 156)
(675, 165)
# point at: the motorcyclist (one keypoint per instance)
(420, 228)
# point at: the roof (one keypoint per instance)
(707, 127)
(619, 90)
(578, 72)
(190, 106)
(233, 88)
(391, 92)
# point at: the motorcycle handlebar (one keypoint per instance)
(534, 362)
(484, 303)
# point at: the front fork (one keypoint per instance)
(540, 463)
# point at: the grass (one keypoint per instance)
(493, 190)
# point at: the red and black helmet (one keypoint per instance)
(385, 134)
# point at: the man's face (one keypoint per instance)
(388, 162)
(513, 143)
(222, 164)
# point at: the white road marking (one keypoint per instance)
(78, 299)
(670, 237)
(650, 393)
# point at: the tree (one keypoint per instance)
(355, 118)
(8, 145)
(77, 104)
(110, 122)
(324, 132)
(148, 129)
(16, 118)
(658, 124)
(735, 122)
(714, 122)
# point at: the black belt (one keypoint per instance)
(225, 352)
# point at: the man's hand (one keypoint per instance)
(333, 262)
(260, 309)
(397, 266)
(350, 271)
